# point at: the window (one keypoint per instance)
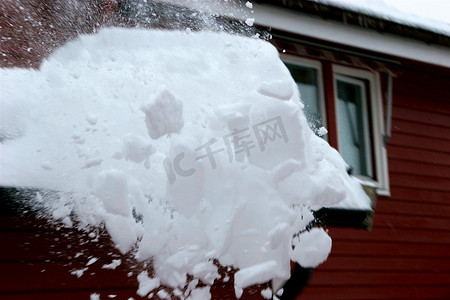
(354, 132)
(358, 125)
(308, 76)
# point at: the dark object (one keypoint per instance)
(349, 170)
(298, 281)
(338, 217)
(15, 202)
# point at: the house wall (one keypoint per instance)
(405, 256)
(407, 253)
(32, 29)
(37, 260)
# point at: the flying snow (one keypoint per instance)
(189, 148)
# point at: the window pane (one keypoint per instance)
(306, 79)
(353, 126)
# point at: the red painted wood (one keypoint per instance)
(413, 209)
(392, 248)
(330, 103)
(395, 221)
(411, 141)
(36, 263)
(48, 276)
(387, 264)
(419, 142)
(418, 195)
(428, 77)
(22, 223)
(418, 168)
(407, 254)
(418, 155)
(31, 246)
(388, 235)
(67, 294)
(434, 94)
(381, 278)
(419, 182)
(419, 129)
(120, 293)
(32, 29)
(351, 292)
(410, 114)
(410, 99)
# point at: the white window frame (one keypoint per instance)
(317, 65)
(377, 125)
(360, 83)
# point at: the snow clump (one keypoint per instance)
(188, 148)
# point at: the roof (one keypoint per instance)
(386, 11)
(317, 21)
(373, 15)
(380, 30)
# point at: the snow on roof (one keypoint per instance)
(411, 13)
(400, 12)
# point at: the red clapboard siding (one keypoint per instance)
(47, 276)
(409, 114)
(350, 292)
(420, 79)
(418, 155)
(376, 279)
(395, 221)
(419, 182)
(420, 129)
(407, 253)
(123, 293)
(400, 166)
(23, 246)
(22, 223)
(67, 294)
(32, 29)
(36, 263)
(396, 235)
(414, 83)
(369, 264)
(420, 91)
(419, 142)
(421, 104)
(414, 209)
(417, 195)
(374, 248)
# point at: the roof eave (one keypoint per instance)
(361, 20)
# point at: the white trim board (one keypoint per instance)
(305, 25)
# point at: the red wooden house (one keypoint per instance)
(379, 86)
(402, 74)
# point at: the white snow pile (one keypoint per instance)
(187, 147)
